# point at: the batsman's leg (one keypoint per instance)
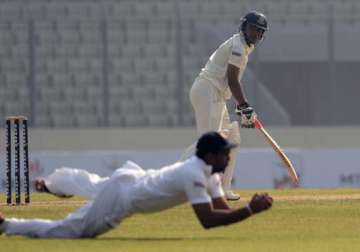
(208, 106)
(188, 152)
(233, 135)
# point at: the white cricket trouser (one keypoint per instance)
(210, 107)
(111, 204)
(211, 114)
(70, 181)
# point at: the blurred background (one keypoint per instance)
(116, 75)
(87, 63)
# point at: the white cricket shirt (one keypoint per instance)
(233, 51)
(172, 185)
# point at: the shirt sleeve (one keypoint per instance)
(215, 187)
(196, 189)
(236, 52)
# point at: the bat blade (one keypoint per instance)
(286, 161)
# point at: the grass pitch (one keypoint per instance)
(300, 220)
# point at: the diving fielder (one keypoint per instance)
(132, 190)
(219, 80)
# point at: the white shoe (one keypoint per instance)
(230, 195)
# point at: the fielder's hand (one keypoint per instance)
(260, 202)
(247, 115)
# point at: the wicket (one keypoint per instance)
(15, 122)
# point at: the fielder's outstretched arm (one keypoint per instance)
(210, 217)
(220, 203)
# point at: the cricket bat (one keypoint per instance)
(279, 151)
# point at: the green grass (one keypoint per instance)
(293, 224)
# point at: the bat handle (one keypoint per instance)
(258, 124)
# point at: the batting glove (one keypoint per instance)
(247, 115)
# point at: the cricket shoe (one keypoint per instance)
(40, 185)
(230, 195)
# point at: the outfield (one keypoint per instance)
(301, 220)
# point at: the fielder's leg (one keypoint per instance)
(106, 211)
(65, 182)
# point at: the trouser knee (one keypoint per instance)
(232, 134)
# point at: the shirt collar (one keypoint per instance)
(206, 168)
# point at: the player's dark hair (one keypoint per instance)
(212, 142)
(200, 154)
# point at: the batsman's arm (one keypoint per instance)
(234, 84)
(210, 217)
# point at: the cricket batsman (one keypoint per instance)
(219, 80)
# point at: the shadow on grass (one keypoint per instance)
(125, 239)
(150, 239)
